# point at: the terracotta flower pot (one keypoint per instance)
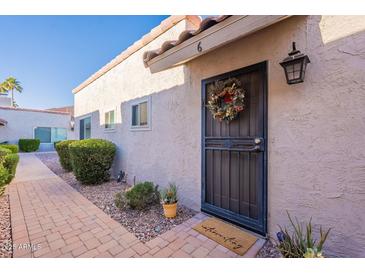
(170, 210)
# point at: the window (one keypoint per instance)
(58, 134)
(43, 134)
(141, 115)
(50, 134)
(110, 119)
(85, 128)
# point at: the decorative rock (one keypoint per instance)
(6, 241)
(268, 251)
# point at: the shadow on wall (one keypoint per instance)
(167, 152)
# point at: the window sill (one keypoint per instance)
(109, 130)
(143, 128)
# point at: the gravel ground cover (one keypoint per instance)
(145, 224)
(268, 251)
(6, 250)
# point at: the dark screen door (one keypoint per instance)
(234, 162)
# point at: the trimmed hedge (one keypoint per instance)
(29, 145)
(3, 153)
(4, 178)
(10, 163)
(91, 160)
(55, 143)
(12, 148)
(63, 152)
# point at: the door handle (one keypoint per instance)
(255, 148)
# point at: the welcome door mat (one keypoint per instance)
(227, 235)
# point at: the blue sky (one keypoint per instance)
(50, 55)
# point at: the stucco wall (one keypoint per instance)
(5, 101)
(315, 135)
(21, 124)
(163, 154)
(315, 129)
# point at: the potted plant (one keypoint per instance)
(169, 200)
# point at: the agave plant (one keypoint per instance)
(300, 244)
(169, 194)
(313, 253)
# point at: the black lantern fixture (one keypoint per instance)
(72, 123)
(294, 66)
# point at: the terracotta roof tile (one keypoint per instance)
(69, 109)
(154, 33)
(185, 35)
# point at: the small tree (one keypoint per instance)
(11, 84)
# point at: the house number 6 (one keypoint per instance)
(199, 47)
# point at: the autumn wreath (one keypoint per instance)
(226, 99)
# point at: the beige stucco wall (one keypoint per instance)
(21, 124)
(315, 135)
(5, 101)
(163, 154)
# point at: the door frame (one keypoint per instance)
(223, 213)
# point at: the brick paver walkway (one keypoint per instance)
(51, 219)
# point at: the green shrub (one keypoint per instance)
(3, 153)
(91, 160)
(4, 176)
(63, 152)
(13, 148)
(55, 143)
(300, 244)
(139, 196)
(10, 163)
(29, 145)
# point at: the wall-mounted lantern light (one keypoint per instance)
(72, 123)
(294, 66)
(3, 122)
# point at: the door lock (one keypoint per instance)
(257, 141)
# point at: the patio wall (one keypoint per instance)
(21, 124)
(316, 129)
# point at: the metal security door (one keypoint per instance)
(234, 154)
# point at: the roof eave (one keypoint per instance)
(164, 26)
(33, 110)
(227, 31)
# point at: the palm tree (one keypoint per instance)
(3, 89)
(11, 84)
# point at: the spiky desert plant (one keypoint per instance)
(300, 244)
